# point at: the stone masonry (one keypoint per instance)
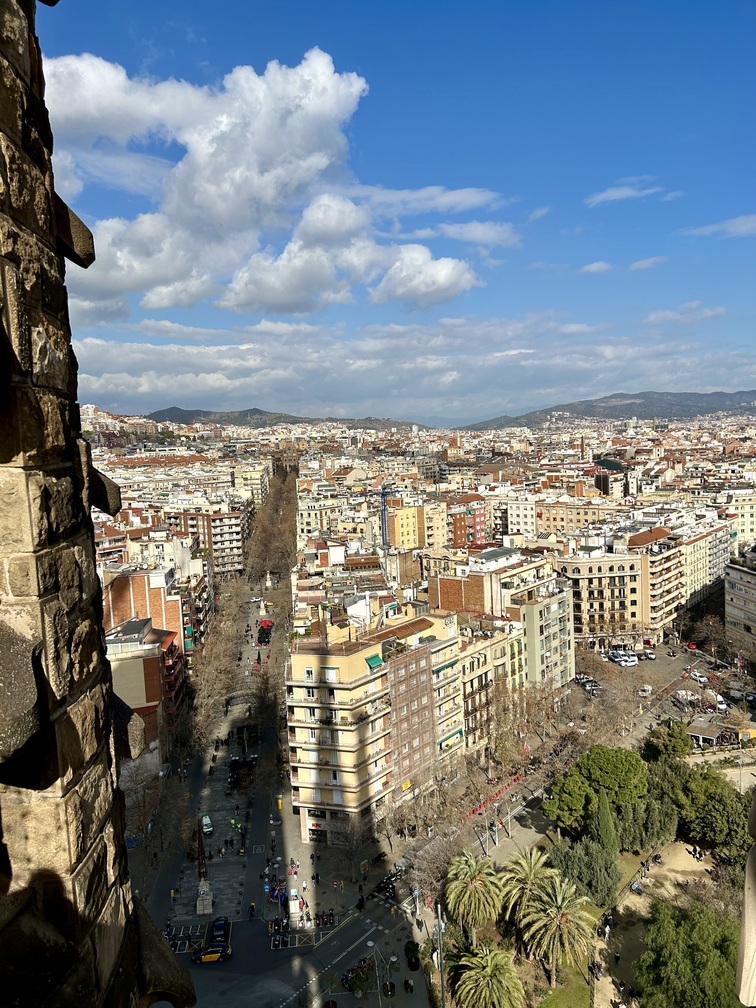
(70, 930)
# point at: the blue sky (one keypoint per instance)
(426, 211)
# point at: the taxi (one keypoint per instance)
(214, 952)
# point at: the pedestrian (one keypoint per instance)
(411, 986)
(304, 886)
(312, 857)
(406, 985)
(297, 864)
(251, 910)
(616, 958)
(621, 987)
(694, 852)
(317, 854)
(317, 878)
(231, 842)
(607, 929)
(341, 884)
(226, 843)
(237, 808)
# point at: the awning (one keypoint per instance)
(374, 661)
(451, 735)
(446, 665)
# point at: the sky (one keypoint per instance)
(439, 212)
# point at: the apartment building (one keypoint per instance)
(740, 605)
(372, 713)
(148, 674)
(433, 524)
(607, 596)
(220, 531)
(404, 527)
(466, 523)
(513, 585)
(182, 603)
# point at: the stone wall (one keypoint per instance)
(69, 928)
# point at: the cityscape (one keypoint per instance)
(378, 554)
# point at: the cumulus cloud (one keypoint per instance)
(256, 210)
(735, 227)
(636, 188)
(644, 264)
(418, 279)
(596, 267)
(689, 311)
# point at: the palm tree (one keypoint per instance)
(523, 878)
(486, 978)
(556, 925)
(473, 891)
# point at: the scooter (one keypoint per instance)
(317, 918)
(330, 917)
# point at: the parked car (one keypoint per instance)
(220, 929)
(648, 653)
(645, 691)
(214, 952)
(697, 676)
(629, 660)
(207, 825)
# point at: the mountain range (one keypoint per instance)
(617, 406)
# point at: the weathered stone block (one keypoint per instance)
(34, 831)
(57, 653)
(108, 935)
(14, 39)
(17, 530)
(50, 355)
(62, 509)
(27, 198)
(69, 580)
(22, 575)
(80, 733)
(88, 807)
(89, 882)
(11, 102)
(13, 315)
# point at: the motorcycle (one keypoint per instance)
(657, 859)
(330, 917)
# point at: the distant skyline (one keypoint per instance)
(405, 210)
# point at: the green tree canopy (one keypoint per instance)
(591, 866)
(473, 892)
(557, 927)
(487, 978)
(690, 959)
(670, 738)
(621, 773)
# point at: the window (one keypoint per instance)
(309, 673)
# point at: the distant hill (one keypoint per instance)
(644, 405)
(263, 418)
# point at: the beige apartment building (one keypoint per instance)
(372, 715)
(404, 527)
(433, 521)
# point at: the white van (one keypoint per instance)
(207, 826)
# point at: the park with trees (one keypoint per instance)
(519, 931)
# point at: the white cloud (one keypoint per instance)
(673, 195)
(486, 233)
(537, 214)
(735, 227)
(430, 199)
(635, 189)
(596, 267)
(86, 313)
(644, 264)
(418, 279)
(689, 311)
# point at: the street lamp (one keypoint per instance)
(374, 947)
